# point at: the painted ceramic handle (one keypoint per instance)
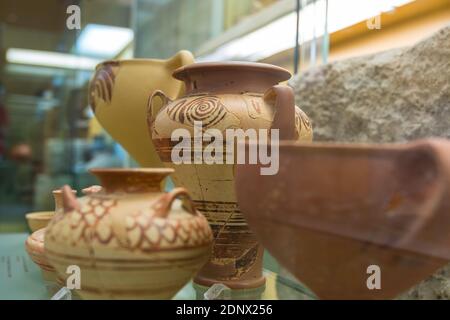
(180, 59)
(152, 109)
(282, 98)
(163, 207)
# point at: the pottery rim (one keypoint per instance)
(277, 71)
(40, 215)
(137, 60)
(127, 61)
(135, 178)
(158, 171)
(342, 147)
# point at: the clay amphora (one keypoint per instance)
(130, 240)
(118, 94)
(225, 96)
(353, 221)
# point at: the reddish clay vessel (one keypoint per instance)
(129, 239)
(224, 96)
(334, 210)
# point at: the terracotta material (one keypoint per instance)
(39, 220)
(35, 242)
(333, 210)
(128, 239)
(58, 197)
(35, 249)
(225, 96)
(118, 95)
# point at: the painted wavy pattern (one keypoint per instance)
(102, 84)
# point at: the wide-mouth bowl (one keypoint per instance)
(39, 219)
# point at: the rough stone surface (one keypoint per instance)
(396, 95)
(435, 287)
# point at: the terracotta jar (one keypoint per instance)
(127, 239)
(118, 94)
(225, 96)
(353, 213)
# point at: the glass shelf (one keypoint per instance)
(21, 279)
(277, 288)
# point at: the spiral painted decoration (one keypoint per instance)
(102, 84)
(209, 110)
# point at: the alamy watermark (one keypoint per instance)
(73, 281)
(374, 280)
(73, 21)
(374, 23)
(263, 147)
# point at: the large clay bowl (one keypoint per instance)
(334, 210)
(35, 249)
(118, 94)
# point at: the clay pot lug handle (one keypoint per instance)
(70, 202)
(181, 58)
(153, 108)
(163, 206)
(282, 98)
(92, 189)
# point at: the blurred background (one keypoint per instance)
(48, 136)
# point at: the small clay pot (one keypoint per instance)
(130, 240)
(39, 220)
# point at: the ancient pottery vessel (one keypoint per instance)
(224, 96)
(34, 244)
(128, 239)
(334, 214)
(35, 249)
(118, 94)
(38, 220)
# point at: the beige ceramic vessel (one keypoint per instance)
(118, 95)
(35, 249)
(34, 244)
(225, 96)
(130, 240)
(39, 220)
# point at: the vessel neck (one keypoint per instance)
(58, 198)
(214, 78)
(131, 180)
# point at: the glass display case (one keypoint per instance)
(95, 95)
